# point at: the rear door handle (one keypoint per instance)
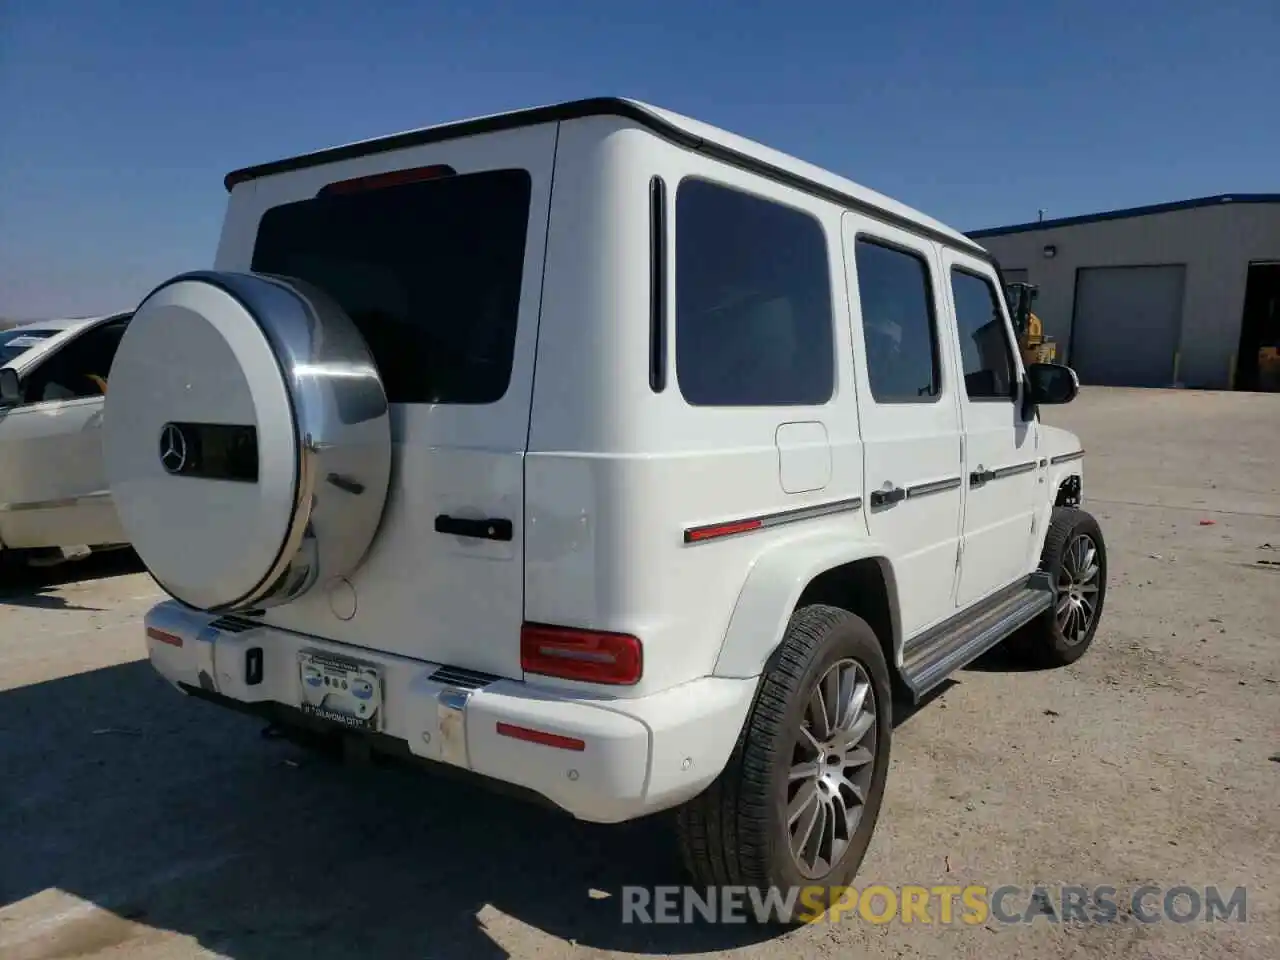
(491, 528)
(884, 498)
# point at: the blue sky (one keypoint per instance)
(120, 119)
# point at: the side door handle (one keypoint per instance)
(489, 528)
(885, 498)
(981, 476)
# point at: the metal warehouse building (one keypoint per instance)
(1174, 294)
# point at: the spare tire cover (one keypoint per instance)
(246, 439)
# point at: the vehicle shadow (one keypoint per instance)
(179, 816)
(904, 708)
(39, 600)
(1006, 658)
(30, 586)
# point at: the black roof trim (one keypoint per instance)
(595, 107)
(1222, 198)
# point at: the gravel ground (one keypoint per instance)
(136, 823)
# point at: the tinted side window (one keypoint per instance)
(80, 368)
(14, 345)
(984, 345)
(753, 301)
(897, 324)
(429, 271)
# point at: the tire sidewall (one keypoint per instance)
(1081, 523)
(849, 638)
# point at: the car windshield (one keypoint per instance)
(14, 343)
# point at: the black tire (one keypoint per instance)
(1043, 642)
(734, 833)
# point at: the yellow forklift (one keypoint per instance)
(1032, 343)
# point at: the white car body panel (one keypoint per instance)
(997, 516)
(454, 459)
(911, 446)
(610, 485)
(774, 585)
(53, 489)
(641, 754)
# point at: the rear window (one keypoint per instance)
(429, 271)
(14, 344)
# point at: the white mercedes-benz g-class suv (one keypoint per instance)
(598, 451)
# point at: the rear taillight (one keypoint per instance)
(573, 654)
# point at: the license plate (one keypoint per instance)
(340, 690)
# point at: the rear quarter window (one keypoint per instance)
(753, 301)
(430, 272)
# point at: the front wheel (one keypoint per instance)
(796, 805)
(1075, 557)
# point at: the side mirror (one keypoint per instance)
(1049, 383)
(10, 387)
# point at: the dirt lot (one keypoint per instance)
(136, 823)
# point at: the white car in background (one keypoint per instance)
(54, 501)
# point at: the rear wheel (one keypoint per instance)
(797, 803)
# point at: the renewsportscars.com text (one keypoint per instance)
(970, 905)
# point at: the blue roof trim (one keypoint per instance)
(1128, 212)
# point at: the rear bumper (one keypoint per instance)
(638, 755)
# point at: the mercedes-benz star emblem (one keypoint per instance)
(173, 448)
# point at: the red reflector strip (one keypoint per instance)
(172, 639)
(542, 737)
(727, 528)
(697, 534)
(378, 181)
(588, 655)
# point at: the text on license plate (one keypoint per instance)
(341, 690)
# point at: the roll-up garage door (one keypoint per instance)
(1126, 327)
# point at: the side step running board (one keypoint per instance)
(935, 655)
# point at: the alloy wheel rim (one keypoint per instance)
(1078, 589)
(833, 756)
